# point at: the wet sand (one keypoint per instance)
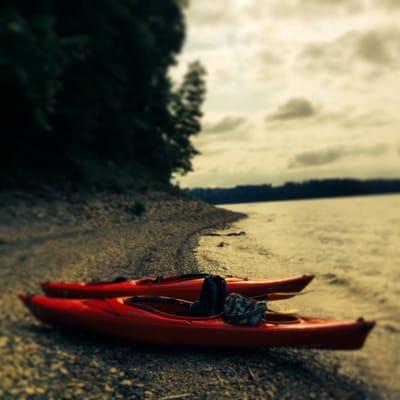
(98, 236)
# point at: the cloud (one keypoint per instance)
(374, 48)
(311, 9)
(379, 47)
(371, 118)
(297, 107)
(211, 12)
(329, 5)
(340, 57)
(391, 4)
(329, 155)
(269, 58)
(327, 56)
(226, 124)
(312, 158)
(328, 2)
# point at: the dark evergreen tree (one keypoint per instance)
(186, 114)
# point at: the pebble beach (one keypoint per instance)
(99, 236)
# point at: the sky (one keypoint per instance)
(296, 89)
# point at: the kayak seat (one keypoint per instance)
(279, 319)
(156, 299)
(212, 297)
(169, 305)
(120, 279)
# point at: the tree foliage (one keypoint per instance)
(86, 91)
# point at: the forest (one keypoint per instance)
(296, 190)
(87, 94)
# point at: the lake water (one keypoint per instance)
(352, 245)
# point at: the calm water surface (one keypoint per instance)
(353, 247)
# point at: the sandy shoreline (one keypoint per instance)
(79, 238)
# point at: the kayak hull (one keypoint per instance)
(114, 318)
(188, 289)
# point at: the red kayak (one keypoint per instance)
(166, 321)
(186, 287)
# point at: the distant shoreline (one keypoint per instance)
(313, 189)
(314, 198)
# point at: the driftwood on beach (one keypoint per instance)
(240, 233)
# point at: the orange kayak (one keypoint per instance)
(185, 287)
(165, 321)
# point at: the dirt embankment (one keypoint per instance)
(99, 236)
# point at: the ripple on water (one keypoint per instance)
(353, 247)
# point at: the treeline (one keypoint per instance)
(294, 191)
(86, 95)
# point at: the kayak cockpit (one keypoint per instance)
(160, 279)
(160, 304)
(181, 309)
(149, 280)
